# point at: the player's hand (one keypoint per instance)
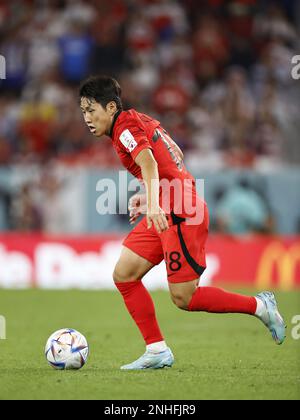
(137, 205)
(158, 219)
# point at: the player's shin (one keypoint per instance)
(215, 300)
(140, 306)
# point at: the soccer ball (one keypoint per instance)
(67, 349)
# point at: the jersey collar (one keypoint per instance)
(114, 122)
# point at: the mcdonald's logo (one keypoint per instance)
(277, 256)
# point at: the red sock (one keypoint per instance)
(140, 306)
(212, 299)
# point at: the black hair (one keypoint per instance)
(102, 89)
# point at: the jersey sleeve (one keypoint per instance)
(133, 138)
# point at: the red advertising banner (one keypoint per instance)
(258, 261)
(87, 262)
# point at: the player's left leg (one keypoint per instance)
(188, 296)
(184, 246)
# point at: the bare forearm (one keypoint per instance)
(155, 215)
(151, 179)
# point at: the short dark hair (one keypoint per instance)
(102, 89)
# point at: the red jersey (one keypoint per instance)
(133, 132)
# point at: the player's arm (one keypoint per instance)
(146, 161)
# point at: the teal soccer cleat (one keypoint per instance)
(271, 317)
(152, 361)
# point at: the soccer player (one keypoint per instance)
(168, 231)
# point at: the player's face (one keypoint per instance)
(97, 118)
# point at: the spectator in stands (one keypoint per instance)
(76, 53)
(211, 49)
(241, 210)
(26, 214)
(6, 202)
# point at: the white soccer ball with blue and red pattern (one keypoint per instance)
(67, 349)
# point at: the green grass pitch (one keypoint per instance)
(217, 356)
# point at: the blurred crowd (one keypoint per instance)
(217, 73)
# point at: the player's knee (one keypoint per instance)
(181, 301)
(122, 276)
(119, 276)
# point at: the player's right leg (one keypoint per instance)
(128, 273)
